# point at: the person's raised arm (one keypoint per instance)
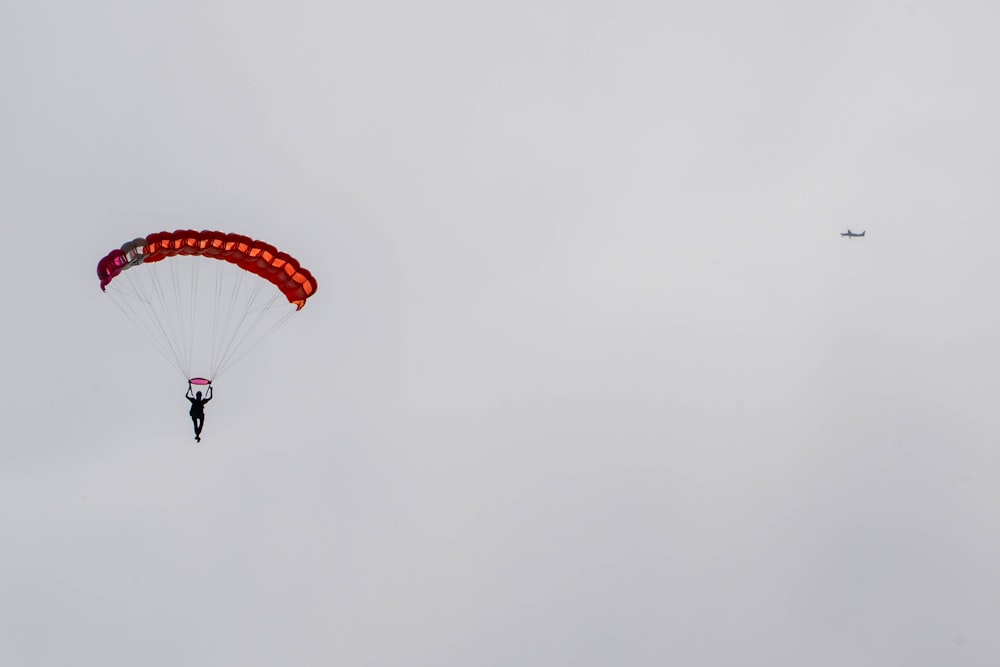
(189, 395)
(208, 396)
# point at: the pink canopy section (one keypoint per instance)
(199, 381)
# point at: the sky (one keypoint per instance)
(590, 377)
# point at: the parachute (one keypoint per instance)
(204, 316)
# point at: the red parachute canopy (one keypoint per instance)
(258, 257)
(204, 316)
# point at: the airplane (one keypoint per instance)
(849, 234)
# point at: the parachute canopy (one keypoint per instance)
(199, 322)
(257, 257)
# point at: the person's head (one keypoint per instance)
(197, 394)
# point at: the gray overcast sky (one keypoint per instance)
(590, 378)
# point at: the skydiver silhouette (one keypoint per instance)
(197, 411)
